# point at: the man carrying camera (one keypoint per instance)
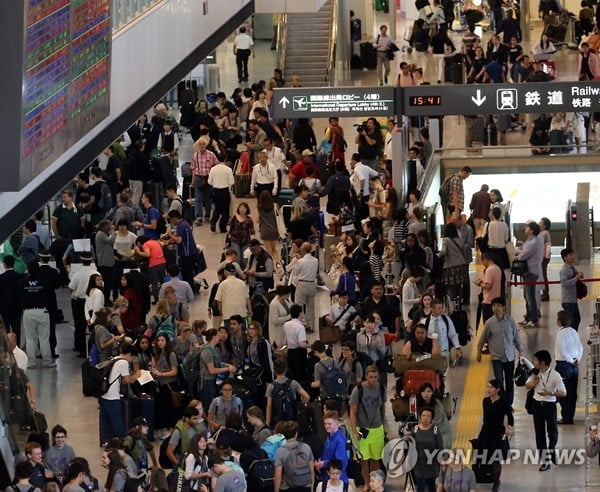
(370, 142)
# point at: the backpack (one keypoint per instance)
(17, 489)
(285, 403)
(165, 326)
(297, 465)
(105, 203)
(445, 189)
(186, 211)
(161, 225)
(324, 486)
(163, 459)
(335, 381)
(261, 472)
(272, 444)
(190, 369)
(99, 375)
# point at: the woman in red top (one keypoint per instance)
(152, 250)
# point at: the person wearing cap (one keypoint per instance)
(221, 179)
(260, 269)
(137, 445)
(232, 295)
(298, 170)
(264, 176)
(78, 286)
(306, 272)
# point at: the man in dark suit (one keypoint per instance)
(495, 46)
(50, 276)
(9, 300)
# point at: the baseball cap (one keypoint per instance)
(86, 257)
(230, 267)
(255, 242)
(307, 152)
(139, 421)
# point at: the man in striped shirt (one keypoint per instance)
(201, 164)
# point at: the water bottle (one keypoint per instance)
(144, 465)
(412, 404)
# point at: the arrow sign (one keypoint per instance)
(284, 101)
(479, 100)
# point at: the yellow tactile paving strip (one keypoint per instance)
(469, 410)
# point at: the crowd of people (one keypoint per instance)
(246, 403)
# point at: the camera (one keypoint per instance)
(360, 128)
(535, 371)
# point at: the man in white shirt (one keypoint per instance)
(277, 157)
(297, 343)
(568, 351)
(220, 177)
(242, 47)
(78, 286)
(360, 180)
(111, 416)
(547, 385)
(442, 326)
(306, 272)
(342, 312)
(264, 176)
(20, 355)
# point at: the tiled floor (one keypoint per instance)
(59, 391)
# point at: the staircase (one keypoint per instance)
(307, 47)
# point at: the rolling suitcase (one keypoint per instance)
(285, 196)
(355, 63)
(490, 136)
(368, 56)
(461, 324)
(164, 169)
(414, 378)
(241, 187)
(483, 473)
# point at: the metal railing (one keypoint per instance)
(282, 41)
(332, 48)
(124, 12)
(592, 394)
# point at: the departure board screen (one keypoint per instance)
(66, 79)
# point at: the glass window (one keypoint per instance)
(126, 11)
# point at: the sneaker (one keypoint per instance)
(198, 222)
(385, 80)
(545, 298)
(213, 227)
(532, 324)
(523, 323)
(50, 365)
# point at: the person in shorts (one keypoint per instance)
(367, 412)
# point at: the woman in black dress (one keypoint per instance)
(494, 435)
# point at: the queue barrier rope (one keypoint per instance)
(552, 282)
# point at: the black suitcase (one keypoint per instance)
(483, 473)
(556, 33)
(164, 170)
(85, 378)
(368, 56)
(453, 69)
(143, 406)
(355, 63)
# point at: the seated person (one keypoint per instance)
(421, 344)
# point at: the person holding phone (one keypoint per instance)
(548, 386)
(367, 413)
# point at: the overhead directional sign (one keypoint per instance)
(330, 101)
(535, 97)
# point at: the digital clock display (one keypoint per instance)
(425, 100)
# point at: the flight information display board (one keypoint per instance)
(64, 86)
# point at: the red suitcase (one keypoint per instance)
(414, 378)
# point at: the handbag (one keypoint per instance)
(482, 243)
(521, 374)
(281, 229)
(39, 420)
(529, 401)
(581, 288)
(186, 170)
(176, 397)
(519, 268)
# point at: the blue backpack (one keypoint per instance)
(272, 444)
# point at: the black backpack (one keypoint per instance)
(261, 472)
(285, 404)
(334, 381)
(99, 377)
(105, 203)
(187, 212)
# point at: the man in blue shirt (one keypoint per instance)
(495, 70)
(151, 217)
(532, 252)
(186, 246)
